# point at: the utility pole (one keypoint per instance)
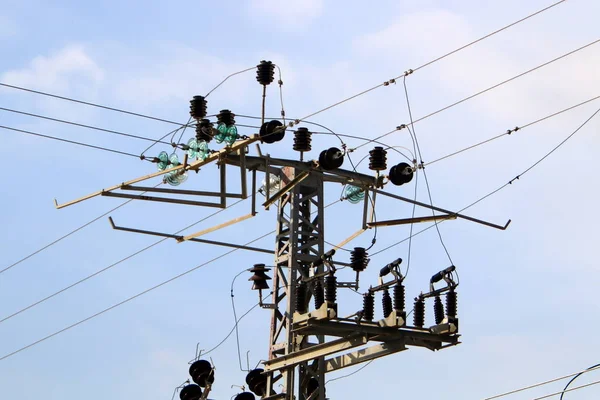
(305, 343)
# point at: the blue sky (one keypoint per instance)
(527, 299)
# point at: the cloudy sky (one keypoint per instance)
(528, 301)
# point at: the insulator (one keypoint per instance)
(302, 139)
(257, 381)
(204, 130)
(301, 298)
(272, 131)
(387, 303)
(438, 310)
(368, 306)
(197, 149)
(190, 392)
(311, 386)
(399, 299)
(259, 278)
(265, 72)
(354, 194)
(419, 312)
(401, 173)
(331, 288)
(451, 303)
(198, 107)
(245, 396)
(162, 161)
(319, 294)
(226, 117)
(201, 373)
(378, 159)
(175, 178)
(358, 259)
(227, 134)
(331, 159)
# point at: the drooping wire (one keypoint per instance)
(414, 133)
(568, 390)
(280, 83)
(386, 83)
(491, 88)
(575, 377)
(235, 318)
(79, 125)
(80, 281)
(511, 131)
(227, 77)
(182, 131)
(173, 132)
(69, 141)
(350, 374)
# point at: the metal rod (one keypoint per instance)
(180, 191)
(479, 221)
(217, 227)
(302, 176)
(253, 192)
(223, 184)
(161, 199)
(243, 182)
(349, 239)
(404, 221)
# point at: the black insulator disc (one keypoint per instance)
(257, 382)
(271, 132)
(260, 277)
(204, 131)
(265, 72)
(301, 305)
(399, 297)
(438, 309)
(245, 396)
(378, 159)
(190, 392)
(451, 303)
(331, 288)
(358, 259)
(302, 139)
(311, 386)
(226, 117)
(419, 312)
(198, 107)
(368, 306)
(319, 294)
(201, 372)
(400, 174)
(331, 158)
(387, 303)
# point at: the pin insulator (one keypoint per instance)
(198, 107)
(259, 278)
(302, 139)
(419, 312)
(354, 194)
(265, 72)
(201, 373)
(451, 303)
(438, 309)
(319, 294)
(245, 396)
(331, 288)
(377, 159)
(204, 131)
(226, 117)
(257, 381)
(399, 297)
(358, 259)
(190, 392)
(387, 303)
(301, 298)
(272, 131)
(331, 159)
(368, 306)
(401, 173)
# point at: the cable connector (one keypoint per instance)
(408, 72)
(400, 127)
(516, 128)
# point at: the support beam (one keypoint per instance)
(362, 355)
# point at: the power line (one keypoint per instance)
(540, 384)
(227, 77)
(69, 141)
(510, 131)
(110, 266)
(88, 103)
(410, 71)
(80, 125)
(489, 89)
(568, 390)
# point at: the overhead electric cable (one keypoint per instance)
(511, 131)
(69, 141)
(410, 71)
(227, 77)
(568, 390)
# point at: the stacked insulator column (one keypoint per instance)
(399, 297)
(265, 72)
(331, 288)
(368, 306)
(377, 159)
(198, 108)
(302, 141)
(451, 303)
(204, 130)
(387, 303)
(301, 298)
(358, 259)
(419, 312)
(438, 309)
(319, 294)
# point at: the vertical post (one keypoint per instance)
(299, 242)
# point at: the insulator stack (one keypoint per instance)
(265, 72)
(302, 139)
(451, 303)
(358, 259)
(387, 303)
(204, 130)
(301, 298)
(378, 159)
(354, 194)
(401, 173)
(331, 288)
(190, 392)
(257, 381)
(438, 309)
(198, 107)
(368, 306)
(319, 294)
(399, 297)
(245, 396)
(226, 117)
(419, 312)
(331, 158)
(202, 373)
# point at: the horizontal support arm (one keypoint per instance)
(362, 355)
(404, 221)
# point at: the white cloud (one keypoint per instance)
(289, 14)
